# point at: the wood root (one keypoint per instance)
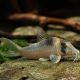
(75, 25)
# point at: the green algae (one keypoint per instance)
(21, 42)
(4, 49)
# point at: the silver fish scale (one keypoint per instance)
(47, 42)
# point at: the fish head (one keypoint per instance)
(67, 48)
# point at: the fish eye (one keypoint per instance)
(63, 43)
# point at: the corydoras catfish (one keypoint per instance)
(47, 48)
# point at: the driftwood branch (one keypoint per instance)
(43, 19)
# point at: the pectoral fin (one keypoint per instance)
(54, 58)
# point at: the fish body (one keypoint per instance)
(47, 48)
(42, 49)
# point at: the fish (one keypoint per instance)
(46, 48)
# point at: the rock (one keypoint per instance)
(60, 31)
(27, 30)
(36, 70)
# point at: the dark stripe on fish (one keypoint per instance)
(47, 42)
(63, 50)
(63, 46)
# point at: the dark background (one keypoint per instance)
(52, 8)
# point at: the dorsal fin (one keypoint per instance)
(41, 34)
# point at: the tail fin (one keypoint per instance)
(14, 48)
(11, 45)
(10, 53)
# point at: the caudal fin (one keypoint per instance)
(10, 53)
(10, 44)
(13, 48)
